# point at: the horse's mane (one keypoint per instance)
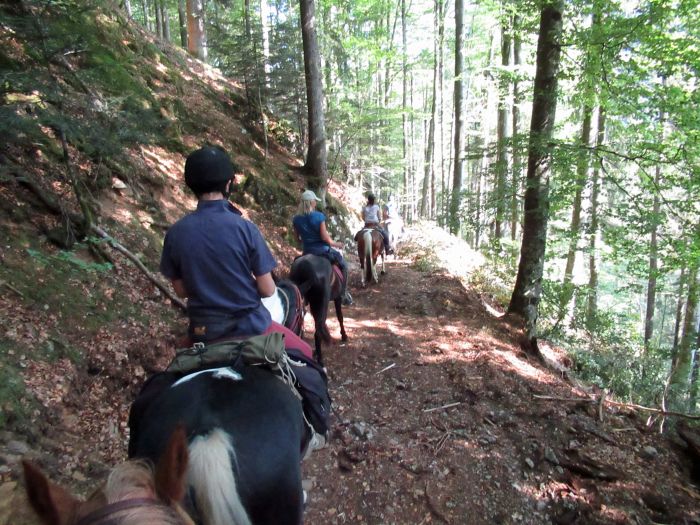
(134, 479)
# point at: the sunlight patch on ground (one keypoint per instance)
(521, 367)
(452, 254)
(161, 161)
(123, 215)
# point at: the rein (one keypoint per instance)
(104, 515)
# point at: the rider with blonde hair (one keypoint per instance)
(310, 228)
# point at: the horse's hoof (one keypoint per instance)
(344, 338)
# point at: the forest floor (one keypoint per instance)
(440, 418)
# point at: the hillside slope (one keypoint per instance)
(97, 119)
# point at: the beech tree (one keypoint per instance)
(316, 156)
(528, 285)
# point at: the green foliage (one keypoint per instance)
(426, 262)
(612, 356)
(71, 258)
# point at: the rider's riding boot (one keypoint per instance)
(387, 248)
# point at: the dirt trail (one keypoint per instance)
(437, 422)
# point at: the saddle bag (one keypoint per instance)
(302, 374)
(256, 350)
(312, 383)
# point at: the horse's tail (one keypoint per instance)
(367, 254)
(211, 475)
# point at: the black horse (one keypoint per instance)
(246, 434)
(319, 283)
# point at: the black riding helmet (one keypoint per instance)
(208, 169)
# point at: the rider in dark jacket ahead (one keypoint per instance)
(310, 228)
(219, 261)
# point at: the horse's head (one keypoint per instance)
(134, 493)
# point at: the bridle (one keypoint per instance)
(107, 515)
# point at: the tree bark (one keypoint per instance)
(165, 17)
(582, 166)
(458, 120)
(196, 30)
(680, 375)
(502, 131)
(679, 315)
(159, 18)
(404, 110)
(428, 200)
(146, 18)
(515, 177)
(126, 5)
(182, 22)
(592, 309)
(528, 285)
(444, 183)
(316, 157)
(653, 252)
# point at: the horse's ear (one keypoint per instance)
(171, 470)
(53, 504)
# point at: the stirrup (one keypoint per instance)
(347, 299)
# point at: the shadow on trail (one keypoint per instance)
(436, 420)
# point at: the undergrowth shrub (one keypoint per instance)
(612, 356)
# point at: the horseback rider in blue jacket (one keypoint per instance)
(310, 228)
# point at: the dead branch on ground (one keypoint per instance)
(631, 406)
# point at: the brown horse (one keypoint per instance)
(370, 245)
(133, 490)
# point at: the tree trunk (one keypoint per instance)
(680, 375)
(427, 203)
(592, 309)
(582, 166)
(126, 4)
(444, 190)
(165, 17)
(528, 285)
(515, 184)
(182, 21)
(653, 251)
(679, 315)
(458, 119)
(196, 31)
(266, 29)
(316, 157)
(146, 18)
(404, 109)
(158, 11)
(502, 131)
(694, 375)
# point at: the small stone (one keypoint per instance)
(19, 448)
(529, 463)
(649, 452)
(550, 456)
